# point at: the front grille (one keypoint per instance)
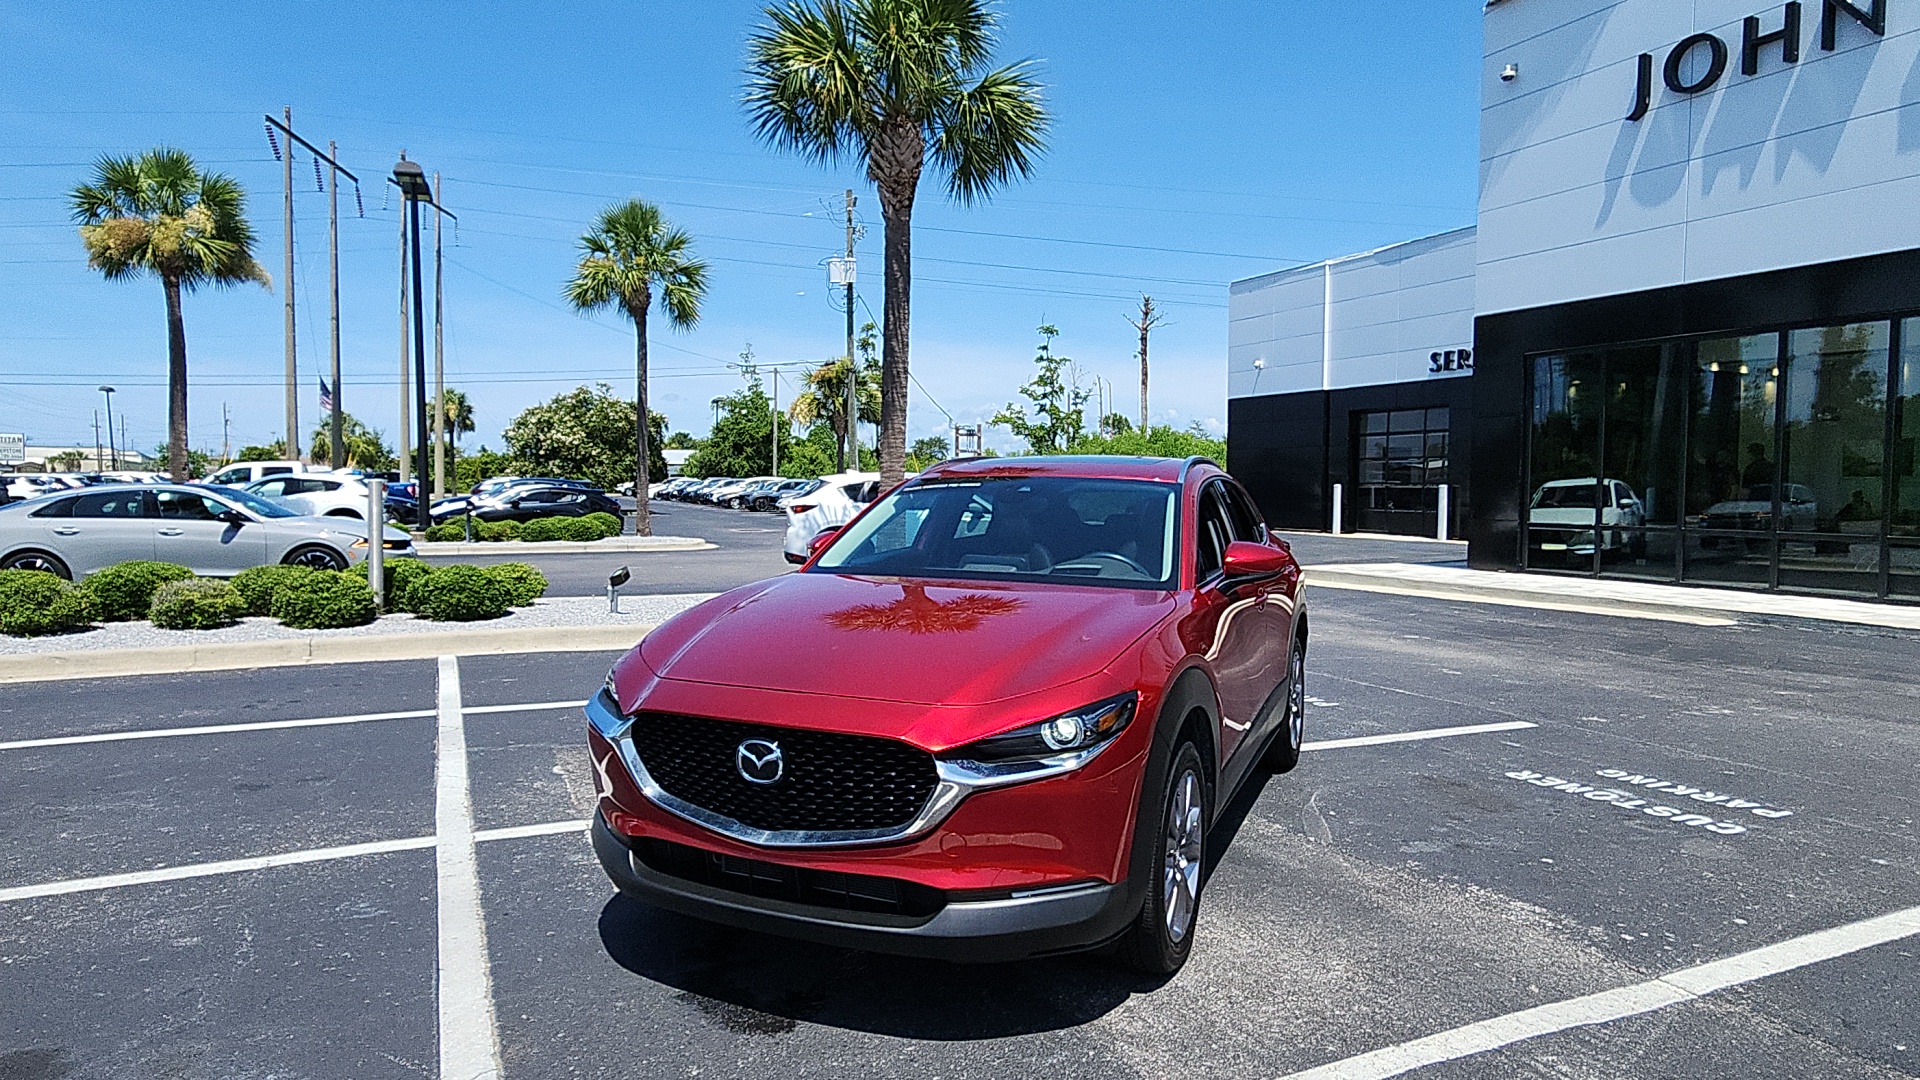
(796, 884)
(832, 782)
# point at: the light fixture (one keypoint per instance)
(1743, 369)
(1714, 367)
(1510, 73)
(1259, 363)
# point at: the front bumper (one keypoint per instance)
(1020, 925)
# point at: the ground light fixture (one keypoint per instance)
(614, 581)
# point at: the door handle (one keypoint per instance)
(65, 530)
(170, 532)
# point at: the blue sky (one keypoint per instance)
(1193, 144)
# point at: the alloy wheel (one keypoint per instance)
(1297, 698)
(1180, 883)
(314, 558)
(33, 560)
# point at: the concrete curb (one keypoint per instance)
(312, 649)
(1671, 603)
(611, 545)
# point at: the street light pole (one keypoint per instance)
(439, 365)
(412, 182)
(293, 376)
(111, 448)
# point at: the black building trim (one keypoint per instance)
(1850, 290)
(1290, 449)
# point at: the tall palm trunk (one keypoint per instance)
(176, 382)
(642, 519)
(894, 163)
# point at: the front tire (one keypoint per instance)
(1161, 937)
(1283, 753)
(315, 557)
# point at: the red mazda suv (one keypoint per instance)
(993, 717)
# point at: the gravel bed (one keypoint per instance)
(557, 612)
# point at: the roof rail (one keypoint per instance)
(1187, 465)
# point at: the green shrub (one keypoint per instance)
(462, 593)
(540, 530)
(322, 600)
(258, 585)
(196, 604)
(403, 587)
(36, 602)
(610, 525)
(125, 590)
(445, 532)
(582, 529)
(524, 583)
(492, 531)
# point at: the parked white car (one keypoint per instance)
(1570, 504)
(33, 485)
(315, 494)
(837, 500)
(242, 473)
(214, 532)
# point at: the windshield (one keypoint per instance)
(1049, 528)
(1578, 496)
(258, 505)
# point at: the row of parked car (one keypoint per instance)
(811, 506)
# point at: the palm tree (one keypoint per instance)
(629, 252)
(159, 214)
(824, 397)
(893, 84)
(457, 412)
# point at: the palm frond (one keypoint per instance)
(809, 86)
(628, 253)
(990, 133)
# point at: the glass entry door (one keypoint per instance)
(1400, 461)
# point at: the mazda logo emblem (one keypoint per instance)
(760, 761)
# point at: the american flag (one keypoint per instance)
(326, 397)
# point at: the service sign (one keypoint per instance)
(13, 448)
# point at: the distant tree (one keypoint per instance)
(584, 434)
(630, 253)
(824, 399)
(456, 414)
(928, 452)
(682, 440)
(892, 84)
(199, 463)
(158, 214)
(366, 448)
(273, 451)
(741, 443)
(1058, 421)
(1158, 441)
(470, 469)
(65, 461)
(1115, 424)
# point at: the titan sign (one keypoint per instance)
(1752, 40)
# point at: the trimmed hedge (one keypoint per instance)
(259, 585)
(323, 600)
(596, 526)
(461, 593)
(610, 524)
(447, 531)
(125, 590)
(36, 602)
(524, 583)
(494, 531)
(196, 604)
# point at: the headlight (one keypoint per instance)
(604, 711)
(1069, 734)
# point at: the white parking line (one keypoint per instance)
(210, 869)
(550, 828)
(275, 725)
(469, 1039)
(1416, 736)
(1673, 988)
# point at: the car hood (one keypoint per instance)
(914, 641)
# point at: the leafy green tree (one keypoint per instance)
(1115, 424)
(741, 443)
(199, 463)
(158, 214)
(366, 448)
(894, 85)
(682, 440)
(470, 469)
(824, 399)
(927, 452)
(1157, 441)
(630, 253)
(65, 461)
(584, 434)
(273, 451)
(456, 415)
(1058, 421)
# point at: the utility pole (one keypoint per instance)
(776, 423)
(853, 362)
(1145, 324)
(226, 434)
(293, 375)
(98, 450)
(439, 363)
(406, 396)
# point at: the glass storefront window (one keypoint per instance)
(1563, 508)
(1832, 453)
(1400, 461)
(1903, 507)
(1730, 460)
(1644, 441)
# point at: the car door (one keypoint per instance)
(187, 530)
(1235, 637)
(1274, 611)
(99, 529)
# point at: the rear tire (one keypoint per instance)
(315, 557)
(1283, 753)
(1161, 937)
(37, 560)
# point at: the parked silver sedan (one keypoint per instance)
(215, 532)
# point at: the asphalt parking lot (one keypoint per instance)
(273, 902)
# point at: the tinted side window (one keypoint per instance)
(272, 489)
(1246, 520)
(116, 504)
(275, 470)
(61, 509)
(186, 506)
(1211, 534)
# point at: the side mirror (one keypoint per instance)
(232, 517)
(1245, 559)
(820, 542)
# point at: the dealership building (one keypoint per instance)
(1682, 342)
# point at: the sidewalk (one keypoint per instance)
(1631, 599)
(564, 624)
